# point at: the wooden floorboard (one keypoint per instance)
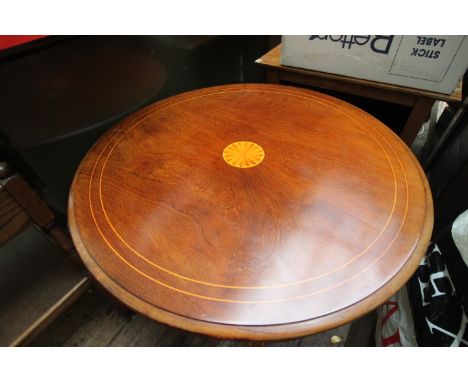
(96, 320)
(105, 324)
(70, 321)
(324, 339)
(362, 331)
(139, 331)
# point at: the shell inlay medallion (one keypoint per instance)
(243, 154)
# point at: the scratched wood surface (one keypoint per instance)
(252, 212)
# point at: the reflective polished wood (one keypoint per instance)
(251, 212)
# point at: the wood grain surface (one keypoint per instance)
(332, 220)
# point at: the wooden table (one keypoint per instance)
(255, 212)
(420, 101)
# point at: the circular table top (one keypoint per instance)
(251, 212)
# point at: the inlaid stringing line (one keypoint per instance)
(246, 287)
(240, 301)
(211, 283)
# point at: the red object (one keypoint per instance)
(11, 41)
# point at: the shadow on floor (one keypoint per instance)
(96, 320)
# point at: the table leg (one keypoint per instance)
(418, 116)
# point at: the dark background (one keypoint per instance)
(59, 94)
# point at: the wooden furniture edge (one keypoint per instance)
(359, 89)
(419, 114)
(271, 61)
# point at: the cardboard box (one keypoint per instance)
(434, 63)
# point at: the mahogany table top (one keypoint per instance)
(251, 212)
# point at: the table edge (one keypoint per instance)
(263, 332)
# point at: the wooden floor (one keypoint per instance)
(37, 282)
(97, 320)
